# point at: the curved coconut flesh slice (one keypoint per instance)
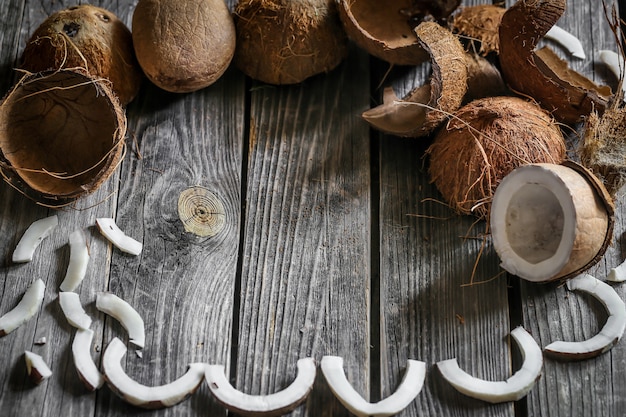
(128, 317)
(79, 258)
(617, 274)
(32, 237)
(513, 389)
(542, 75)
(73, 310)
(550, 221)
(117, 237)
(146, 396)
(427, 106)
(610, 333)
(409, 388)
(85, 366)
(25, 309)
(275, 404)
(61, 135)
(36, 367)
(567, 40)
(616, 64)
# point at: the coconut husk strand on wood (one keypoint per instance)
(91, 38)
(61, 135)
(422, 110)
(286, 41)
(566, 94)
(483, 142)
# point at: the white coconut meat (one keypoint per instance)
(547, 222)
(123, 312)
(567, 40)
(617, 274)
(616, 65)
(32, 237)
(79, 258)
(512, 389)
(36, 367)
(407, 391)
(278, 403)
(151, 397)
(85, 366)
(117, 237)
(25, 309)
(73, 310)
(610, 333)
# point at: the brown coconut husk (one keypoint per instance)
(86, 37)
(568, 95)
(484, 141)
(61, 135)
(422, 110)
(483, 78)
(286, 42)
(479, 24)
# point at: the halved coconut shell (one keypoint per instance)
(61, 135)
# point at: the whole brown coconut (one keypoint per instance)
(61, 135)
(183, 45)
(479, 23)
(288, 41)
(484, 141)
(86, 37)
(385, 28)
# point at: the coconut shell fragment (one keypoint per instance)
(426, 107)
(61, 135)
(566, 94)
(90, 38)
(479, 24)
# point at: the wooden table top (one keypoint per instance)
(332, 242)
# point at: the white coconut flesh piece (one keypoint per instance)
(407, 391)
(151, 397)
(73, 310)
(117, 237)
(275, 404)
(617, 274)
(615, 64)
(79, 258)
(32, 237)
(512, 389)
(567, 40)
(36, 367)
(547, 222)
(123, 312)
(610, 333)
(85, 366)
(25, 309)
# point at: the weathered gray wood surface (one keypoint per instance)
(334, 244)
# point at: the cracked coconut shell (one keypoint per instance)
(566, 94)
(285, 41)
(385, 28)
(61, 135)
(86, 37)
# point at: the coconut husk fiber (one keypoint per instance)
(61, 135)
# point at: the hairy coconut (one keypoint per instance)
(183, 46)
(61, 135)
(484, 141)
(288, 41)
(426, 107)
(483, 78)
(385, 28)
(480, 24)
(86, 37)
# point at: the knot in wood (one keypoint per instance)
(201, 212)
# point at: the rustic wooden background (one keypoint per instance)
(334, 243)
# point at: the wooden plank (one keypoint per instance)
(305, 275)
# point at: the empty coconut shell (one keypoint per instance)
(61, 135)
(90, 38)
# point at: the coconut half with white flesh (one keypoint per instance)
(550, 221)
(73, 310)
(407, 391)
(85, 366)
(610, 333)
(79, 259)
(117, 237)
(128, 317)
(36, 367)
(512, 389)
(275, 404)
(150, 397)
(25, 309)
(32, 237)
